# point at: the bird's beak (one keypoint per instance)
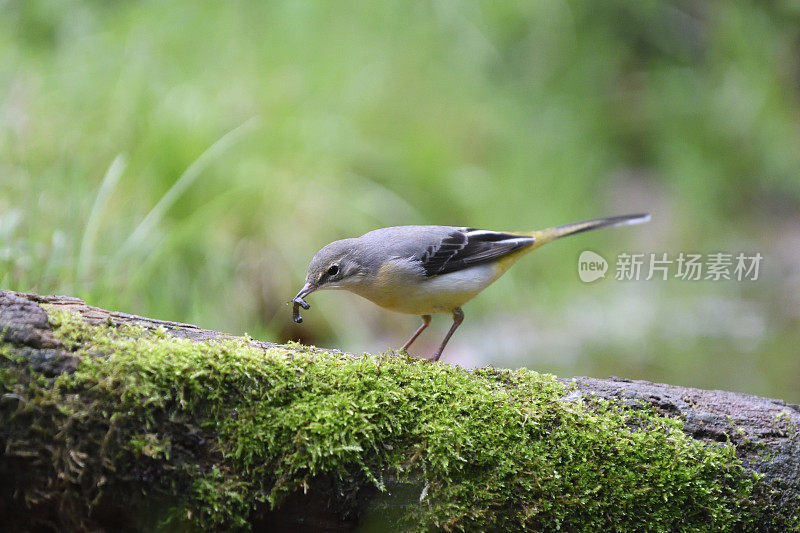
(307, 289)
(298, 301)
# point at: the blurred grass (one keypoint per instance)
(121, 182)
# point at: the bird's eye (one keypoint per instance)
(333, 270)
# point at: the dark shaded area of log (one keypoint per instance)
(764, 431)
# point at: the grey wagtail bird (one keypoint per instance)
(422, 270)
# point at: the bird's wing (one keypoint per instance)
(466, 247)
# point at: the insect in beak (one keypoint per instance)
(299, 302)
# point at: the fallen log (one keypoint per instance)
(110, 421)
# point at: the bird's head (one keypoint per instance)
(336, 266)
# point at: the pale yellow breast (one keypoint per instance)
(404, 289)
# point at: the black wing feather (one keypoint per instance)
(436, 257)
(468, 247)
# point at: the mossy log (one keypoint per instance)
(114, 422)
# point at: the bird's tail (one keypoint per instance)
(550, 234)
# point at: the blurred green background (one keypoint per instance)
(185, 159)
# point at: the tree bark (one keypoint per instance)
(764, 431)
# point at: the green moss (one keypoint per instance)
(221, 500)
(226, 429)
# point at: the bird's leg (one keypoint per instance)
(458, 318)
(426, 320)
